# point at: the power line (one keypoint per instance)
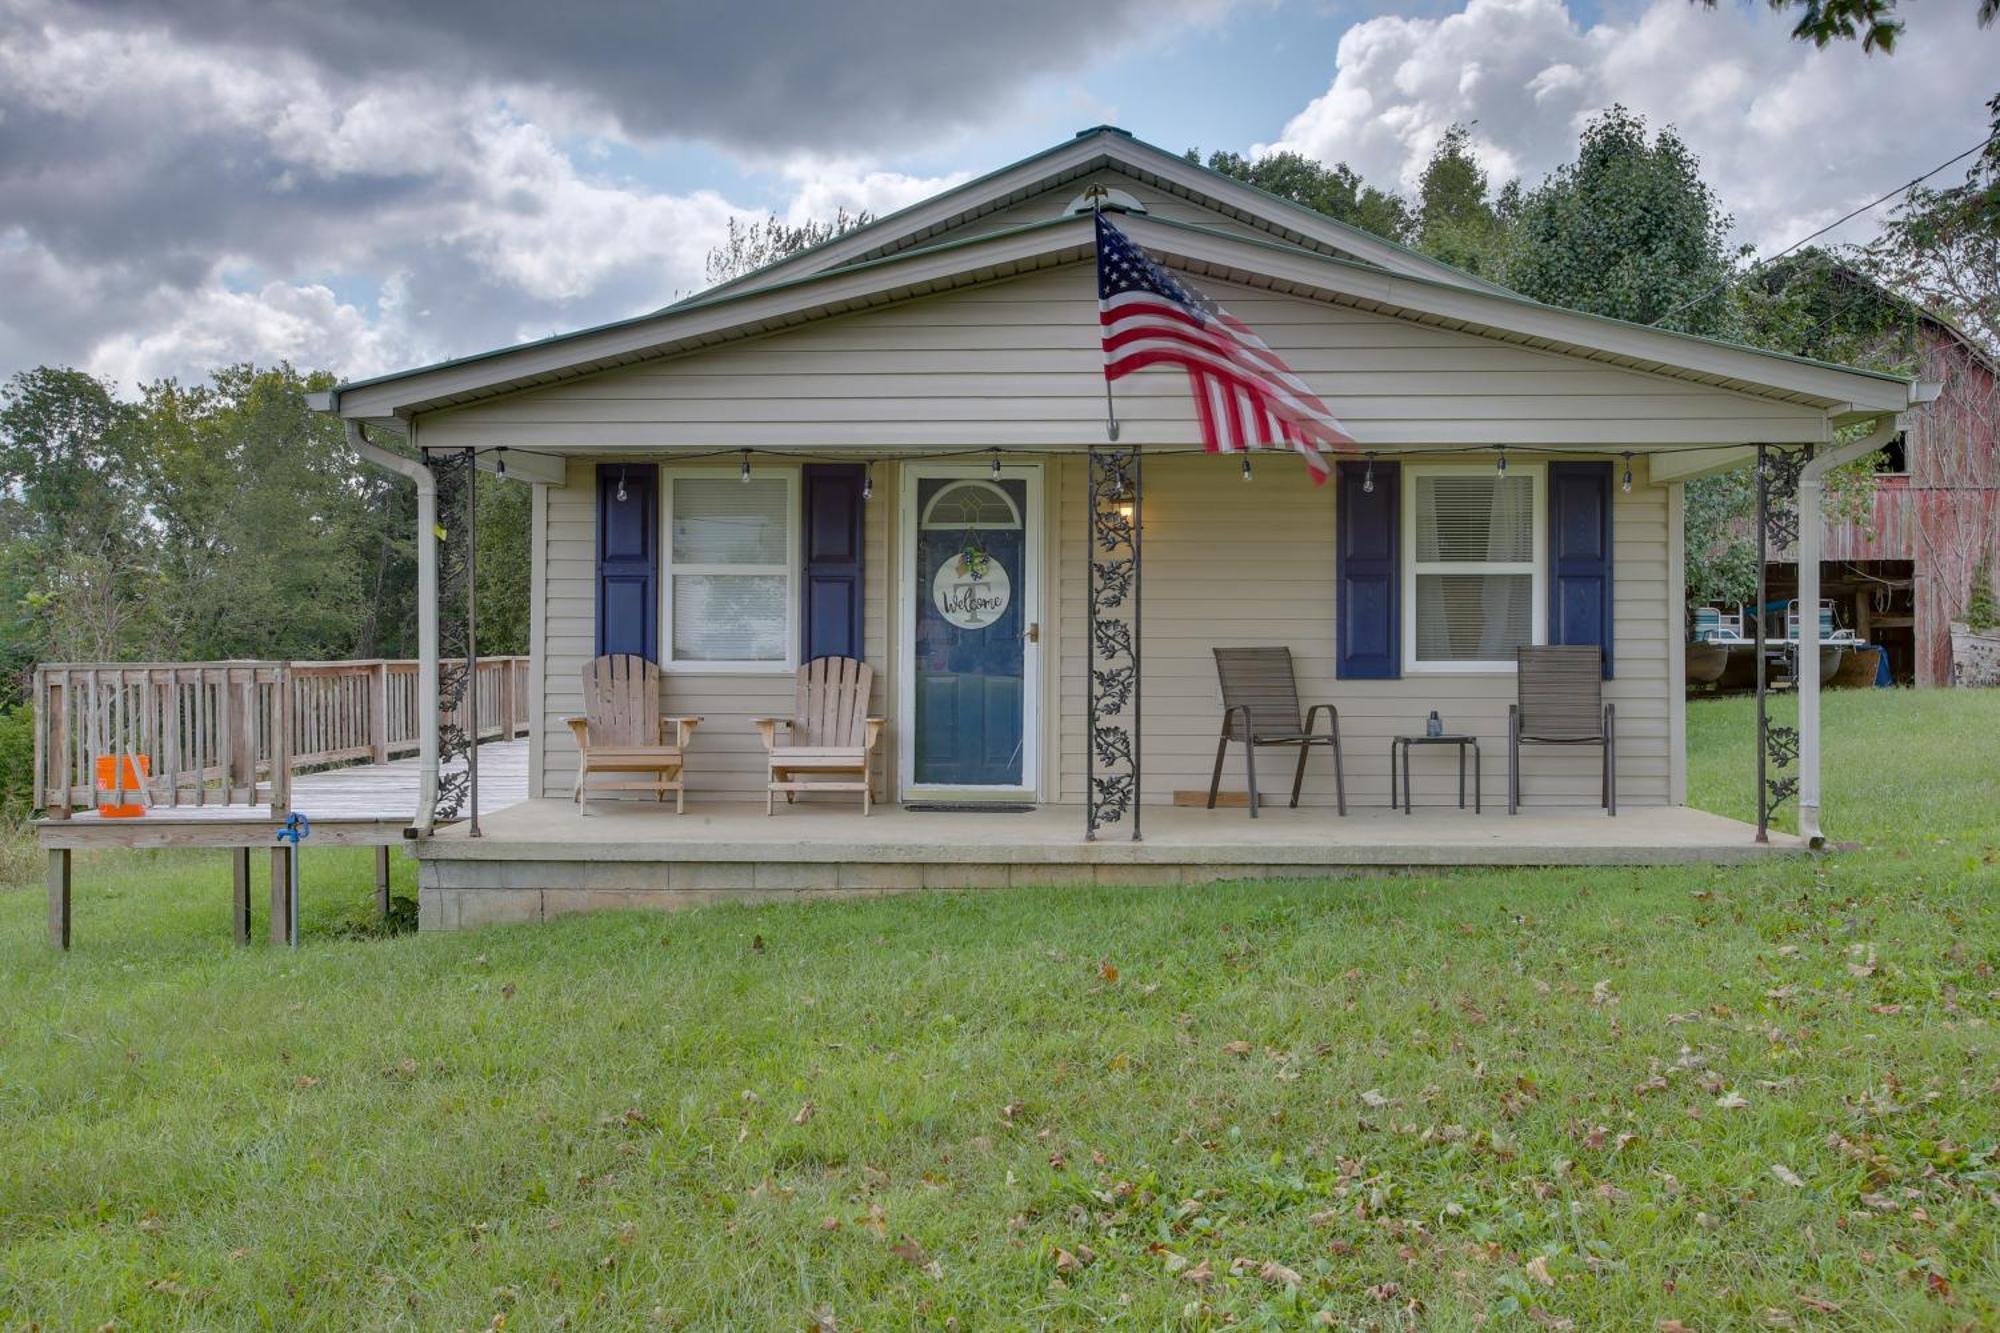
(1804, 240)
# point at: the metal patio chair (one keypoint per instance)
(1260, 706)
(1560, 693)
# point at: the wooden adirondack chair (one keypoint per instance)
(830, 736)
(623, 732)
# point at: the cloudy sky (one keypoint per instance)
(374, 184)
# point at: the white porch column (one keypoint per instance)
(427, 614)
(1812, 493)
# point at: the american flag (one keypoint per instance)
(1245, 396)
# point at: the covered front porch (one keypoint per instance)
(542, 858)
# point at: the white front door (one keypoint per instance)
(970, 631)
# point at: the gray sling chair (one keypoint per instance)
(1561, 693)
(1260, 706)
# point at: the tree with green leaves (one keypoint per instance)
(1337, 191)
(754, 245)
(1942, 246)
(74, 539)
(1456, 221)
(1873, 22)
(1629, 229)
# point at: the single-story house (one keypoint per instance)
(780, 468)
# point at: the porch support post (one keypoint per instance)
(1812, 490)
(1112, 680)
(427, 616)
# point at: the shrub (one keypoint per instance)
(1981, 610)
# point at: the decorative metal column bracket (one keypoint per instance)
(457, 701)
(1777, 527)
(1112, 681)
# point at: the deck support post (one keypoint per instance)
(382, 881)
(281, 906)
(59, 897)
(239, 902)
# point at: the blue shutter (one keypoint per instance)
(1368, 574)
(1580, 555)
(628, 560)
(831, 612)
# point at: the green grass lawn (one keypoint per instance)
(1700, 1098)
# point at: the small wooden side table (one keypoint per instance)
(1463, 742)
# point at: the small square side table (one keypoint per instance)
(1463, 742)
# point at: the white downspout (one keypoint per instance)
(1812, 490)
(427, 618)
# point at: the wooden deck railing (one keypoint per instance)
(233, 733)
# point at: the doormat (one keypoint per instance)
(967, 808)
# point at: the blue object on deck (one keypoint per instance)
(297, 826)
(1884, 680)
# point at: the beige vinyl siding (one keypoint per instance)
(726, 758)
(1052, 203)
(1230, 564)
(1016, 363)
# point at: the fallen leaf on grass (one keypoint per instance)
(1236, 1048)
(1537, 1315)
(806, 1112)
(1107, 972)
(507, 991)
(403, 1068)
(1787, 1175)
(1277, 1275)
(1201, 1274)
(1384, 1291)
(1672, 1326)
(1602, 994)
(1732, 1101)
(913, 1254)
(1373, 1097)
(304, 1082)
(1538, 1269)
(1820, 1304)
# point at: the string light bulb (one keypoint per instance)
(868, 481)
(621, 485)
(1368, 477)
(500, 462)
(744, 475)
(1500, 468)
(1626, 485)
(1246, 467)
(996, 465)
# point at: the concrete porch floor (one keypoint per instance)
(544, 857)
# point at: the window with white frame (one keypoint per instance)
(731, 569)
(1473, 570)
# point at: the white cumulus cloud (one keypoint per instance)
(1791, 135)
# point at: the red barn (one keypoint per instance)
(1905, 567)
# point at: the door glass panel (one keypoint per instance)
(970, 654)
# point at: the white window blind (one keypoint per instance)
(1473, 547)
(731, 568)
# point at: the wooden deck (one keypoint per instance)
(542, 858)
(362, 804)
